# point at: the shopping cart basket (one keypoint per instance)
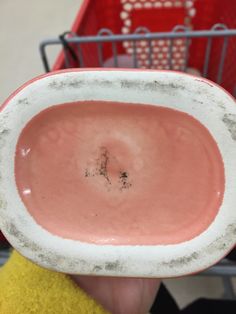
(156, 34)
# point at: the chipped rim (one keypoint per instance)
(71, 256)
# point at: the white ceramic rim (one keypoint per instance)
(171, 89)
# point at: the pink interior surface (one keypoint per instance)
(117, 173)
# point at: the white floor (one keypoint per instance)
(188, 289)
(23, 24)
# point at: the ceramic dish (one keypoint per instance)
(119, 172)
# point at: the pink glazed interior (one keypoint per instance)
(117, 173)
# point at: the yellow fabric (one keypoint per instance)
(26, 288)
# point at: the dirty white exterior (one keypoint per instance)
(200, 98)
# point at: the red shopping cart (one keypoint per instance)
(157, 34)
(182, 35)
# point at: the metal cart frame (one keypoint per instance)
(141, 34)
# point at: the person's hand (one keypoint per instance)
(121, 295)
